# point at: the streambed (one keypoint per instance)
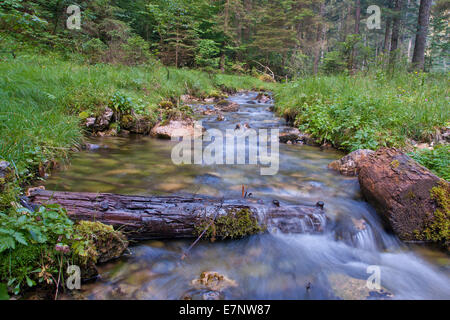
(332, 265)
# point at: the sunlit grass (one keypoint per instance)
(367, 111)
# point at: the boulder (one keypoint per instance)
(101, 122)
(293, 135)
(175, 128)
(349, 165)
(412, 201)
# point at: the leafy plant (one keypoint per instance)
(437, 160)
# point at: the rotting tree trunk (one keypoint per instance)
(168, 217)
(404, 193)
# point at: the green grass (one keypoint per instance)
(41, 98)
(437, 160)
(367, 111)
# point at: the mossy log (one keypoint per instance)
(410, 198)
(168, 217)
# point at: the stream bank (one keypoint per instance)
(270, 266)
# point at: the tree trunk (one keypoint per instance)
(357, 22)
(357, 16)
(395, 34)
(387, 35)
(319, 39)
(418, 59)
(396, 25)
(168, 217)
(404, 194)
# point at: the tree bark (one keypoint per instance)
(168, 217)
(401, 191)
(319, 39)
(387, 36)
(418, 59)
(396, 25)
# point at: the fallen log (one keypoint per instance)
(168, 217)
(410, 198)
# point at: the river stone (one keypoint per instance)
(227, 106)
(349, 165)
(175, 129)
(213, 281)
(263, 97)
(349, 288)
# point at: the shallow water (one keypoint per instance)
(269, 266)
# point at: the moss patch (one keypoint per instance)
(437, 228)
(235, 224)
(99, 243)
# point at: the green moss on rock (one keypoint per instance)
(235, 224)
(101, 242)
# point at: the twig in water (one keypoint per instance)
(203, 232)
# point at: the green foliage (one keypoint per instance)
(437, 160)
(29, 240)
(3, 292)
(366, 111)
(137, 51)
(207, 54)
(124, 104)
(95, 49)
(35, 245)
(24, 227)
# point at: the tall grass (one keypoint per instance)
(367, 111)
(42, 96)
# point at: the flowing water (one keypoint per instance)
(333, 265)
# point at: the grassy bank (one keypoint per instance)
(42, 97)
(43, 100)
(367, 111)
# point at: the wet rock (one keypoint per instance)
(136, 124)
(102, 122)
(209, 100)
(187, 98)
(250, 102)
(291, 134)
(175, 128)
(220, 118)
(93, 147)
(227, 106)
(123, 290)
(411, 199)
(212, 295)
(263, 97)
(349, 288)
(213, 281)
(349, 165)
